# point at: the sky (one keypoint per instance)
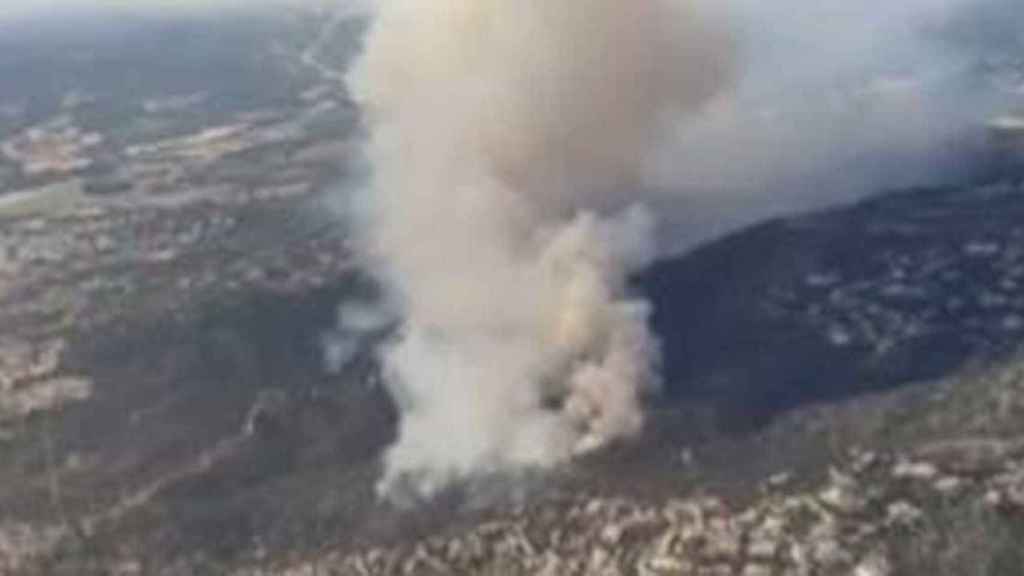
(18, 9)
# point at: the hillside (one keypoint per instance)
(843, 393)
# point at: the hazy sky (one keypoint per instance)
(12, 9)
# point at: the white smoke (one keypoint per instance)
(836, 100)
(356, 324)
(502, 135)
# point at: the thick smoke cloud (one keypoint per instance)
(520, 148)
(502, 135)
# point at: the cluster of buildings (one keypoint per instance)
(850, 523)
(54, 148)
(952, 269)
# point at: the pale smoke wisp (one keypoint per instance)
(502, 135)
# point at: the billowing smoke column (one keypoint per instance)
(504, 136)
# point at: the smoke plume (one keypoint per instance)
(502, 135)
(835, 100)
